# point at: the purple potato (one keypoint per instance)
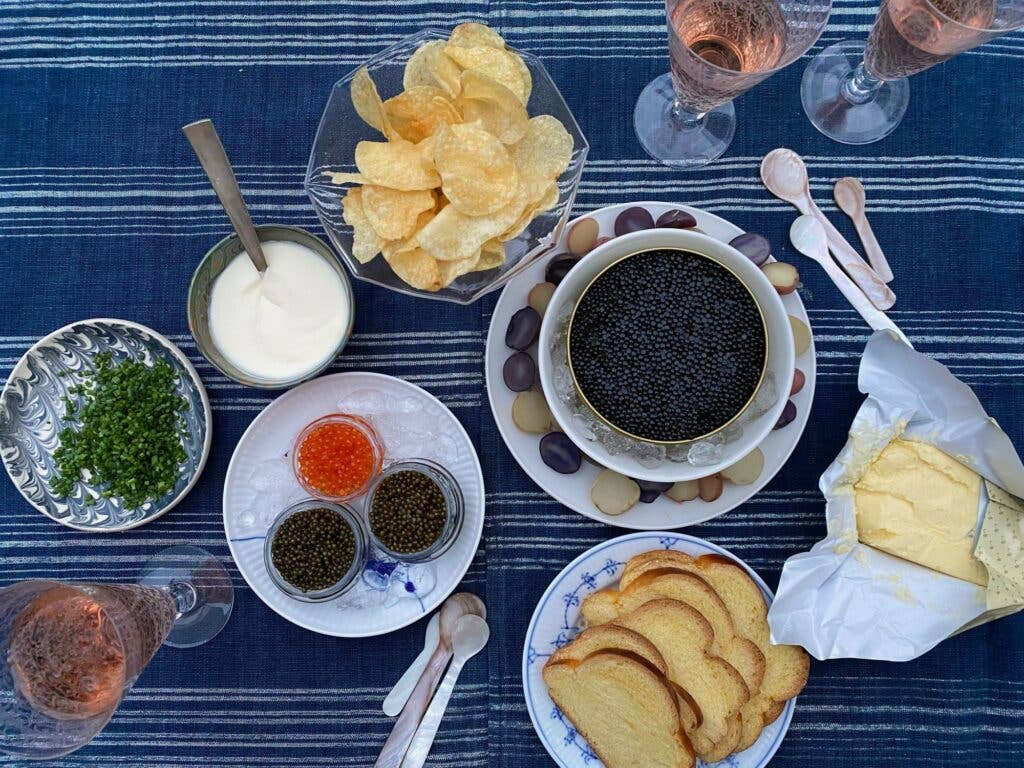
(522, 328)
(560, 453)
(651, 490)
(675, 219)
(788, 414)
(519, 372)
(633, 220)
(559, 267)
(752, 245)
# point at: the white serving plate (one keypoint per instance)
(574, 490)
(555, 623)
(261, 452)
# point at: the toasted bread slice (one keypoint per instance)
(629, 643)
(625, 711)
(689, 588)
(684, 638)
(729, 744)
(787, 666)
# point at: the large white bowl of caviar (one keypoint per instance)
(666, 355)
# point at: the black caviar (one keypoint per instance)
(667, 345)
(408, 512)
(313, 549)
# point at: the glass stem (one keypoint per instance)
(184, 595)
(684, 117)
(860, 85)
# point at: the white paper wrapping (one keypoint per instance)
(843, 599)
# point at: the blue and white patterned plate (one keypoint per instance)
(32, 417)
(556, 622)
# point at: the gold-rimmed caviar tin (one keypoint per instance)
(602, 417)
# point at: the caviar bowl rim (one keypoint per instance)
(369, 432)
(579, 390)
(351, 575)
(454, 501)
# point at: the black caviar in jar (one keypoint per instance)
(408, 512)
(667, 345)
(313, 549)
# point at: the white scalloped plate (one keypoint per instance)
(269, 438)
(555, 623)
(574, 490)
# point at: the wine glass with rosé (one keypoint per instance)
(718, 50)
(69, 651)
(856, 93)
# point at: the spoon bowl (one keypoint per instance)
(849, 195)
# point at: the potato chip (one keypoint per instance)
(418, 112)
(367, 102)
(472, 33)
(452, 235)
(417, 268)
(500, 65)
(536, 205)
(429, 65)
(492, 255)
(524, 75)
(494, 106)
(410, 243)
(398, 164)
(545, 150)
(338, 177)
(451, 270)
(366, 243)
(393, 213)
(477, 172)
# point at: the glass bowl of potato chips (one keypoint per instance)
(445, 164)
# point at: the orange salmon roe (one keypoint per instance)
(337, 460)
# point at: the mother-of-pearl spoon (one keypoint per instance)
(849, 195)
(785, 175)
(809, 238)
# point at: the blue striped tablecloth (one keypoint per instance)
(104, 212)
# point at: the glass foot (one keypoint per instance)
(837, 116)
(202, 587)
(680, 143)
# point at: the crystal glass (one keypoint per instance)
(69, 651)
(718, 50)
(334, 149)
(857, 94)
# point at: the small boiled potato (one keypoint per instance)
(783, 277)
(684, 490)
(801, 335)
(530, 412)
(710, 488)
(582, 236)
(746, 470)
(540, 296)
(613, 493)
(799, 379)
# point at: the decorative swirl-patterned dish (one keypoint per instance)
(556, 622)
(32, 417)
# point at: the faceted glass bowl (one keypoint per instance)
(334, 150)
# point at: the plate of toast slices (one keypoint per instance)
(654, 649)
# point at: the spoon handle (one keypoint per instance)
(394, 749)
(424, 738)
(860, 272)
(208, 148)
(872, 248)
(395, 700)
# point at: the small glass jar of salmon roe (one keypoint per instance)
(337, 457)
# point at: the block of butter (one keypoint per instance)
(918, 503)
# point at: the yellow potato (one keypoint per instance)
(477, 173)
(398, 164)
(419, 111)
(429, 65)
(366, 243)
(501, 65)
(393, 213)
(494, 106)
